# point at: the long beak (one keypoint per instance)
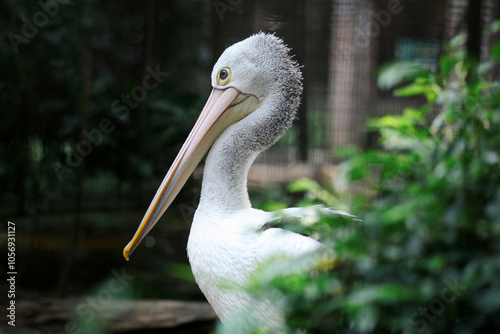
(221, 110)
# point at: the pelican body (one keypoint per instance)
(256, 93)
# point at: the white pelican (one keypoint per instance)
(255, 96)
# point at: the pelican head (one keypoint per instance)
(258, 65)
(256, 89)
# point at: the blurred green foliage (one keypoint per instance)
(425, 256)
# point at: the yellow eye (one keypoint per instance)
(224, 76)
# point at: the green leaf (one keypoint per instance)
(392, 121)
(414, 113)
(398, 213)
(431, 95)
(436, 262)
(399, 73)
(491, 157)
(271, 206)
(381, 293)
(485, 67)
(304, 184)
(495, 27)
(411, 90)
(447, 64)
(495, 51)
(347, 152)
(457, 41)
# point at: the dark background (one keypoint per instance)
(84, 144)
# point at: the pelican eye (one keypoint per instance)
(224, 76)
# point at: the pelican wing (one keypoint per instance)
(303, 220)
(295, 234)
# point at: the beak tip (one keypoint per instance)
(206, 130)
(126, 255)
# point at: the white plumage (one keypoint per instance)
(224, 250)
(257, 88)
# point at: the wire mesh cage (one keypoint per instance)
(98, 97)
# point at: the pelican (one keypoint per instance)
(256, 92)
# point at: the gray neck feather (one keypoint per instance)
(225, 177)
(228, 162)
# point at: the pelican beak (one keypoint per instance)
(223, 108)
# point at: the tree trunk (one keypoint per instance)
(349, 74)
